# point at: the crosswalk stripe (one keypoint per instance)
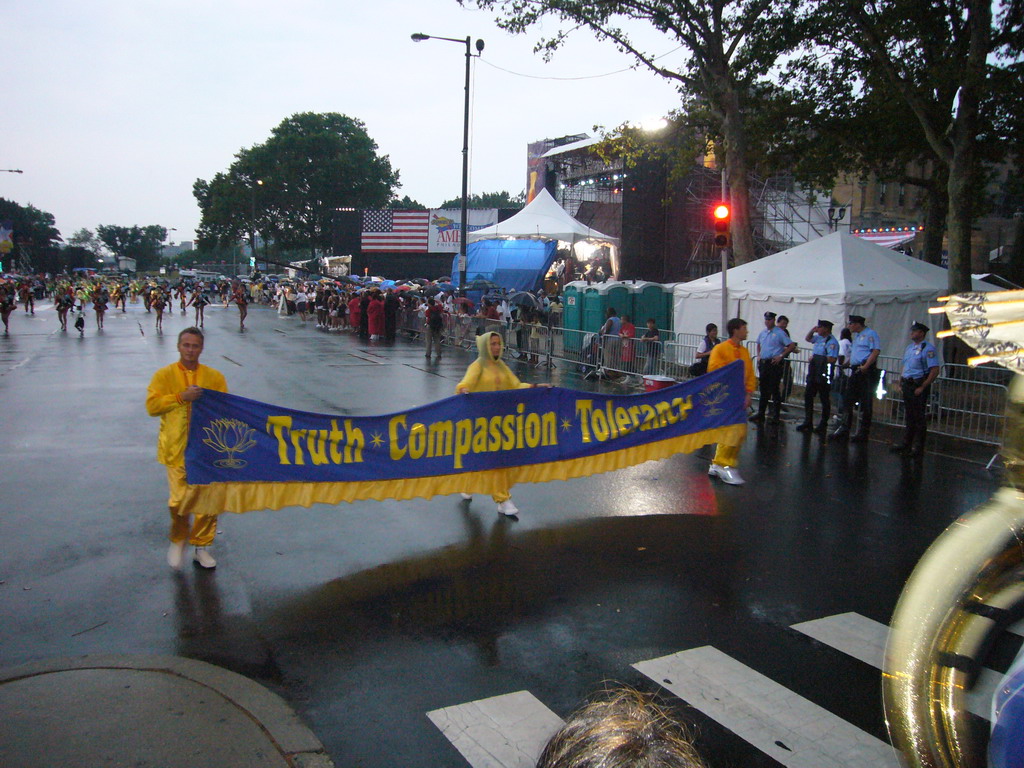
(785, 726)
(864, 639)
(507, 731)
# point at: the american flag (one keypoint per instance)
(395, 231)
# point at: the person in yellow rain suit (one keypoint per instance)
(488, 373)
(170, 395)
(726, 458)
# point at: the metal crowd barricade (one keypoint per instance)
(412, 322)
(966, 403)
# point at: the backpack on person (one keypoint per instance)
(700, 367)
(435, 319)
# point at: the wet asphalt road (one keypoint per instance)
(367, 616)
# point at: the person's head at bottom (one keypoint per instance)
(622, 729)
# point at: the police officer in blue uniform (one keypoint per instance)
(864, 375)
(773, 346)
(920, 368)
(820, 372)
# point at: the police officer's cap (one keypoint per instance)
(920, 327)
(859, 319)
(769, 315)
(826, 323)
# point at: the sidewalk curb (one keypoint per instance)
(294, 740)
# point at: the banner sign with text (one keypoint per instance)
(445, 232)
(532, 434)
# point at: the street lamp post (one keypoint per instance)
(252, 225)
(463, 226)
(835, 215)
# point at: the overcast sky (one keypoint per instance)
(115, 107)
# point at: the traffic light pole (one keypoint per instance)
(725, 269)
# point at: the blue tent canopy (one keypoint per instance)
(518, 265)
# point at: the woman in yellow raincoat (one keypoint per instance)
(488, 373)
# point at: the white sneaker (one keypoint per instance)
(726, 474)
(176, 553)
(203, 558)
(467, 496)
(507, 508)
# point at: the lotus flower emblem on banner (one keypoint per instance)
(712, 396)
(229, 436)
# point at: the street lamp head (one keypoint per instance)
(418, 37)
(479, 46)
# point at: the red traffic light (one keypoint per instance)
(722, 214)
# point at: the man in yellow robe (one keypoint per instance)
(489, 373)
(726, 459)
(171, 392)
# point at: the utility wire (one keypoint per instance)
(581, 77)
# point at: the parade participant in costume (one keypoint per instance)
(488, 373)
(243, 306)
(65, 302)
(820, 373)
(199, 301)
(170, 395)
(7, 305)
(375, 316)
(727, 456)
(920, 369)
(99, 303)
(158, 301)
(355, 312)
(182, 294)
(27, 298)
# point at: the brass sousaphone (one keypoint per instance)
(969, 586)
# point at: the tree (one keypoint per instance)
(34, 234)
(950, 64)
(841, 121)
(75, 256)
(501, 199)
(732, 45)
(139, 243)
(406, 204)
(288, 188)
(87, 240)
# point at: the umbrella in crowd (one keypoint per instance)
(524, 299)
(448, 287)
(464, 300)
(479, 284)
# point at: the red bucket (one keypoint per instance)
(654, 383)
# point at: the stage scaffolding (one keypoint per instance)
(783, 214)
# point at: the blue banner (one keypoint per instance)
(240, 441)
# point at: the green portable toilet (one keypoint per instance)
(598, 297)
(572, 315)
(592, 316)
(649, 301)
(572, 305)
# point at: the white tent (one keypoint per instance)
(829, 278)
(542, 219)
